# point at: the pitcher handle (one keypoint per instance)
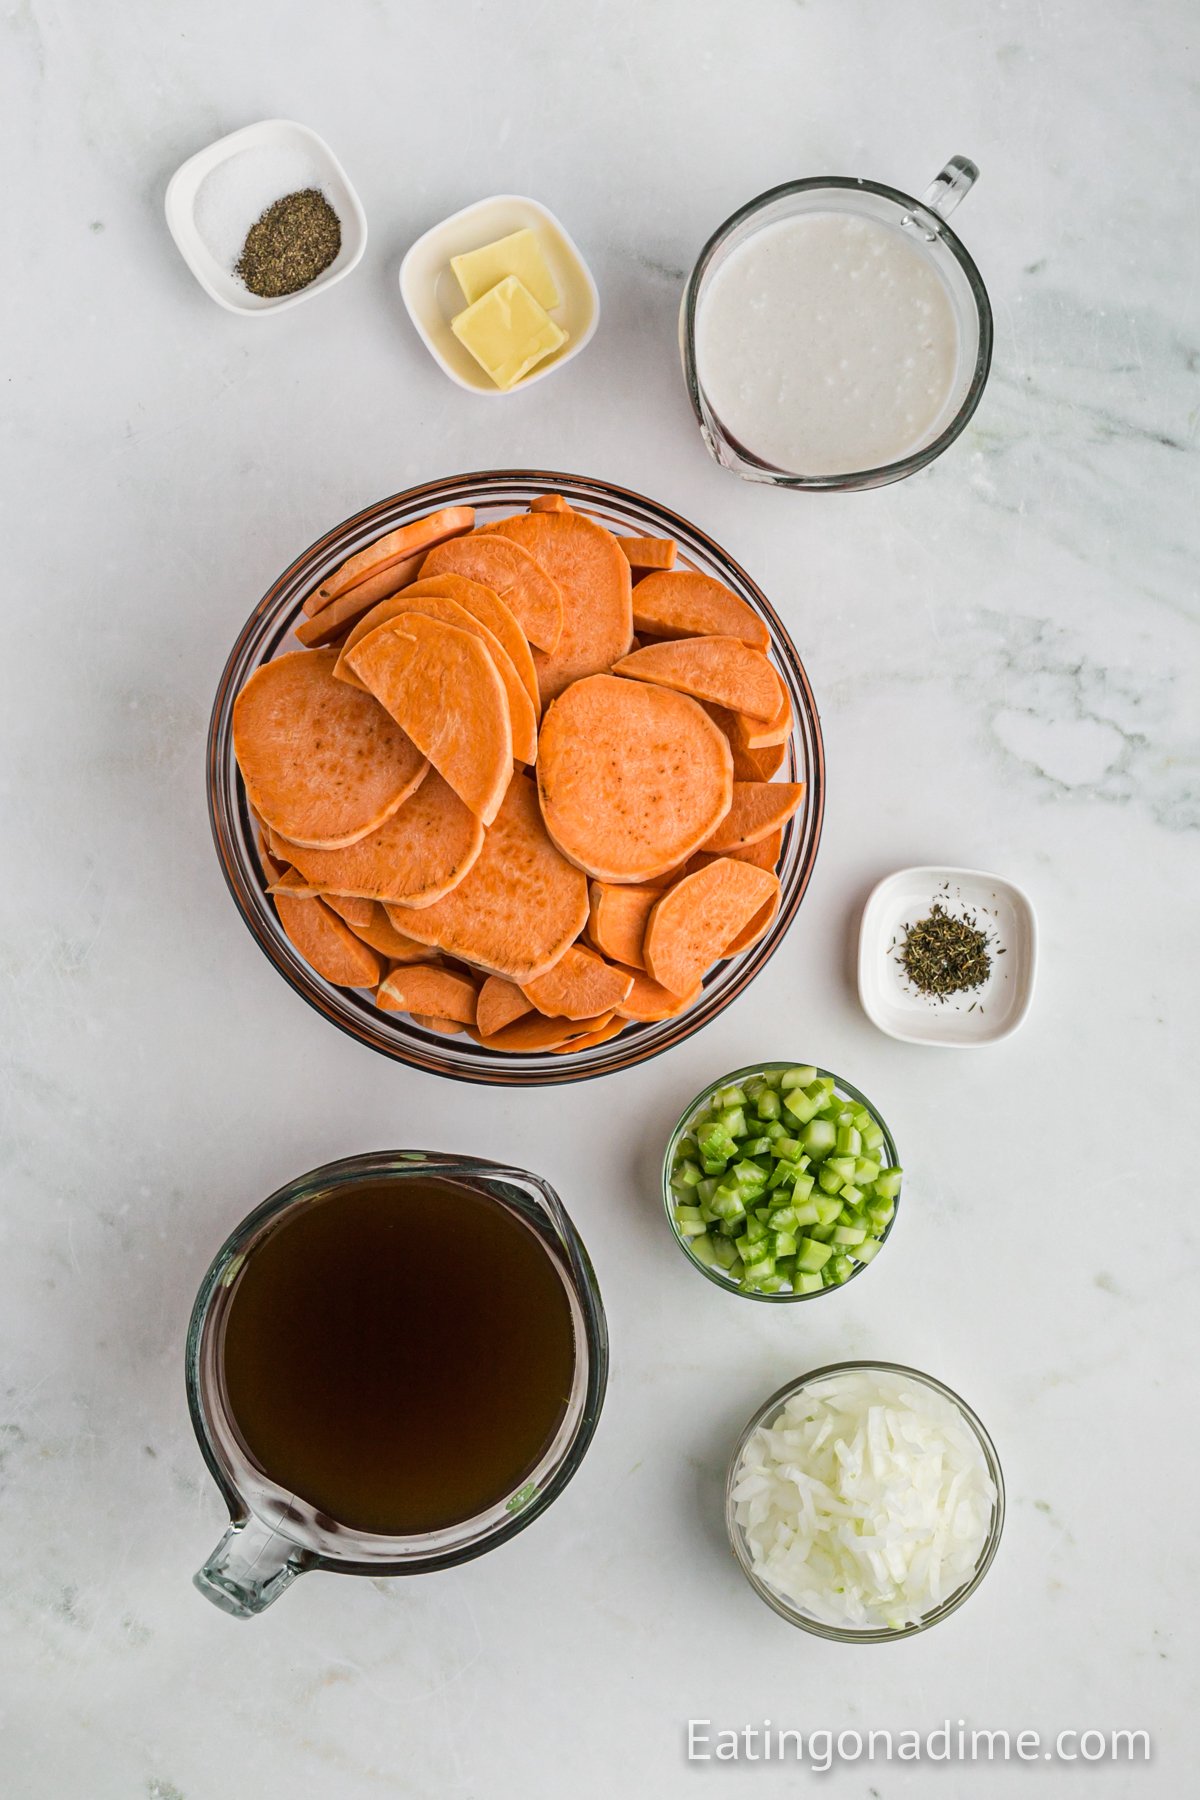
(952, 185)
(249, 1568)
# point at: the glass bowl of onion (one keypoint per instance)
(864, 1502)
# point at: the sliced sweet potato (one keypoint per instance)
(499, 1003)
(322, 763)
(593, 577)
(757, 927)
(521, 715)
(647, 1001)
(535, 1032)
(748, 765)
(632, 777)
(326, 943)
(273, 867)
(551, 503)
(441, 686)
(484, 604)
(353, 909)
(648, 552)
(691, 925)
(443, 1027)
(580, 985)
(758, 808)
(413, 859)
(518, 908)
(721, 669)
(337, 616)
(679, 603)
(395, 547)
(502, 565)
(617, 920)
(756, 734)
(764, 853)
(425, 988)
(588, 1040)
(381, 934)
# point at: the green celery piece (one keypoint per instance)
(758, 1266)
(728, 1096)
(828, 1208)
(731, 1228)
(688, 1172)
(790, 1147)
(810, 1254)
(867, 1251)
(887, 1183)
(714, 1142)
(862, 1117)
(766, 1104)
(715, 1165)
(785, 1243)
(707, 1188)
(784, 1174)
(786, 1266)
(865, 1170)
(798, 1106)
(822, 1233)
(818, 1137)
(881, 1213)
(756, 1146)
(849, 1234)
(842, 1166)
(803, 1186)
(850, 1195)
(733, 1120)
(754, 1087)
(775, 1131)
(686, 1146)
(807, 1281)
(799, 1077)
(755, 1230)
(842, 1267)
(702, 1248)
(781, 1218)
(771, 1284)
(725, 1252)
(805, 1212)
(736, 1269)
(828, 1180)
(750, 1179)
(849, 1140)
(872, 1137)
(708, 1215)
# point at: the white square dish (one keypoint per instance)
(279, 138)
(432, 296)
(964, 1021)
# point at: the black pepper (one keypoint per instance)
(293, 242)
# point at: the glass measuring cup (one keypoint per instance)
(925, 220)
(275, 1535)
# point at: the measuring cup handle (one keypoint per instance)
(249, 1568)
(955, 181)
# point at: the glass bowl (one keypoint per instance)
(845, 1634)
(266, 635)
(735, 1079)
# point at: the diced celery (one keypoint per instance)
(707, 1188)
(798, 1106)
(686, 1146)
(689, 1221)
(728, 1096)
(812, 1255)
(829, 1209)
(799, 1077)
(849, 1140)
(756, 1146)
(807, 1281)
(828, 1180)
(804, 1212)
(767, 1104)
(781, 1218)
(842, 1267)
(887, 1183)
(775, 1131)
(818, 1137)
(736, 1269)
(865, 1170)
(687, 1172)
(881, 1213)
(872, 1138)
(732, 1119)
(822, 1233)
(704, 1250)
(849, 1234)
(850, 1195)
(755, 1231)
(725, 1252)
(842, 1166)
(785, 1243)
(867, 1251)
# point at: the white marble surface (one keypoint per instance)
(1002, 649)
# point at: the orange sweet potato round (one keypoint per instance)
(648, 1001)
(617, 919)
(586, 563)
(676, 603)
(420, 853)
(692, 925)
(579, 986)
(442, 687)
(326, 943)
(758, 810)
(632, 778)
(721, 669)
(322, 764)
(394, 547)
(499, 1003)
(504, 566)
(427, 989)
(518, 908)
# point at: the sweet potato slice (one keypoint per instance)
(758, 808)
(551, 503)
(535, 1032)
(381, 934)
(647, 1001)
(632, 778)
(757, 928)
(679, 603)
(521, 715)
(321, 763)
(757, 735)
(721, 669)
(520, 905)
(748, 765)
(338, 615)
(764, 853)
(326, 944)
(441, 686)
(648, 552)
(413, 859)
(593, 577)
(395, 547)
(484, 604)
(580, 985)
(589, 1039)
(617, 920)
(352, 909)
(425, 988)
(502, 565)
(443, 1027)
(691, 925)
(499, 1003)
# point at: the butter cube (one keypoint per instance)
(518, 254)
(507, 332)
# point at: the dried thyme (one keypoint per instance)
(290, 245)
(943, 955)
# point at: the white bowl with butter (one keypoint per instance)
(434, 297)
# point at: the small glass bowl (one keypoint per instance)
(845, 1634)
(265, 635)
(735, 1079)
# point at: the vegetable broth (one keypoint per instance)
(400, 1354)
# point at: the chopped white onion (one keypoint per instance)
(866, 1501)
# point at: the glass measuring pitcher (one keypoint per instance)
(274, 1534)
(923, 223)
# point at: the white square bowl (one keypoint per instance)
(965, 1021)
(433, 296)
(270, 134)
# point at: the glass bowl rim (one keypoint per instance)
(226, 799)
(843, 1634)
(735, 1077)
(884, 472)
